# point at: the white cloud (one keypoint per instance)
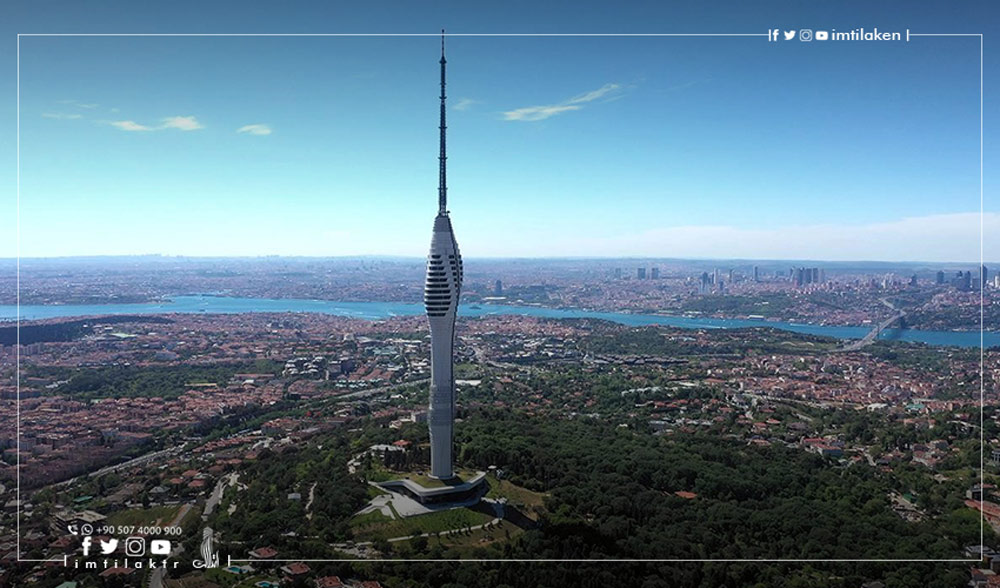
(257, 129)
(78, 104)
(936, 238)
(61, 115)
(184, 123)
(594, 94)
(465, 103)
(129, 125)
(533, 113)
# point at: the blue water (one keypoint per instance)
(382, 310)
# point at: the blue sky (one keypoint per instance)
(558, 146)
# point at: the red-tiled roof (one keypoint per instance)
(264, 552)
(296, 568)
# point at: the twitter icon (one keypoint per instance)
(789, 35)
(109, 546)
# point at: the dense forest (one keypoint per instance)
(770, 305)
(66, 330)
(264, 514)
(611, 496)
(132, 381)
(657, 341)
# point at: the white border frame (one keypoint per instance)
(377, 561)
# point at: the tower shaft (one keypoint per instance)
(442, 288)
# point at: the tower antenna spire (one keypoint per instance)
(442, 157)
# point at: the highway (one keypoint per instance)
(376, 391)
(138, 461)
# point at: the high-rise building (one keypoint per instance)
(498, 288)
(940, 277)
(441, 293)
(756, 274)
(640, 273)
(618, 273)
(984, 278)
(655, 273)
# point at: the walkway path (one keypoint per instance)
(309, 503)
(216, 495)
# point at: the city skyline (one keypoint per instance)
(625, 147)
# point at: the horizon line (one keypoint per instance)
(108, 256)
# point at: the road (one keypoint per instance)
(138, 461)
(376, 391)
(156, 577)
(181, 513)
(216, 496)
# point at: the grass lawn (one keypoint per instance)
(504, 531)
(369, 518)
(374, 492)
(222, 578)
(467, 371)
(515, 495)
(428, 482)
(379, 473)
(428, 523)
